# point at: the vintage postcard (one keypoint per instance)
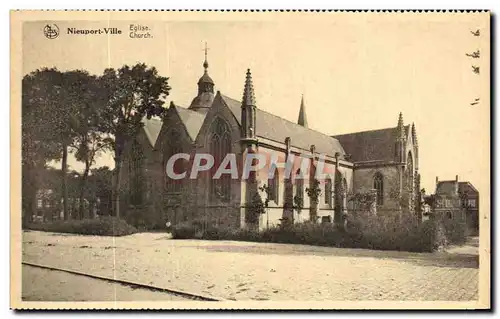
(250, 160)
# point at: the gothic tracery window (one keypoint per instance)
(174, 146)
(378, 185)
(136, 174)
(299, 189)
(220, 146)
(273, 184)
(328, 191)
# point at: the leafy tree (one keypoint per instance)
(314, 192)
(87, 126)
(39, 141)
(131, 93)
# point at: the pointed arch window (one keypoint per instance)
(220, 146)
(136, 173)
(409, 173)
(299, 181)
(328, 191)
(273, 184)
(174, 146)
(378, 185)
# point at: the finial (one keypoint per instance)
(401, 128)
(205, 64)
(248, 93)
(302, 113)
(414, 134)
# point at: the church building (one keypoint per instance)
(383, 163)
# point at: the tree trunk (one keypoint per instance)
(28, 193)
(117, 187)
(83, 185)
(64, 169)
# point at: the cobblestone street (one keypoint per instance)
(260, 271)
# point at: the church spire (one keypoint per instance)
(248, 93)
(302, 113)
(414, 134)
(401, 127)
(248, 109)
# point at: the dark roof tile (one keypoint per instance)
(375, 145)
(277, 129)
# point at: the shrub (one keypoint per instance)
(104, 226)
(455, 230)
(183, 231)
(397, 232)
(144, 218)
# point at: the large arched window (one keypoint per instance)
(409, 173)
(136, 173)
(220, 146)
(273, 184)
(328, 191)
(410, 186)
(378, 185)
(299, 183)
(174, 146)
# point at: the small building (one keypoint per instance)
(454, 199)
(470, 202)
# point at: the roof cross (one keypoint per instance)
(205, 64)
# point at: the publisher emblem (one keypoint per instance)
(51, 31)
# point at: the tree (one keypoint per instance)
(131, 93)
(314, 192)
(39, 142)
(87, 125)
(100, 188)
(265, 188)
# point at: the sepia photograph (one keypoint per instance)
(250, 160)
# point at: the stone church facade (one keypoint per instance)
(381, 162)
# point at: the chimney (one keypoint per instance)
(437, 180)
(456, 184)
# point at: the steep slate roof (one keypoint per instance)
(277, 129)
(467, 187)
(376, 145)
(192, 120)
(445, 187)
(152, 129)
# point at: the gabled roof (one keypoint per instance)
(467, 187)
(375, 145)
(445, 187)
(152, 129)
(192, 120)
(277, 129)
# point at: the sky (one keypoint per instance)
(356, 71)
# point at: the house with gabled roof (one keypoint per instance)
(384, 162)
(457, 200)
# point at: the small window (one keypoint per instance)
(39, 203)
(378, 185)
(472, 203)
(449, 215)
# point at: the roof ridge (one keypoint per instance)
(368, 131)
(284, 119)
